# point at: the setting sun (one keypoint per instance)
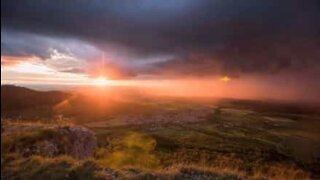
(101, 81)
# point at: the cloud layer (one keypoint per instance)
(193, 37)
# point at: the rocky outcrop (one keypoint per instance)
(46, 148)
(76, 141)
(79, 142)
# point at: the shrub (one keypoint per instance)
(133, 150)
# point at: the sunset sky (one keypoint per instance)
(270, 48)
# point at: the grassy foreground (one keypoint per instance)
(224, 142)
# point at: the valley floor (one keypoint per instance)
(175, 141)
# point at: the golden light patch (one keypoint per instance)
(225, 79)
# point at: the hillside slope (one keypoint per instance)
(14, 98)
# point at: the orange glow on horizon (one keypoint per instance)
(32, 72)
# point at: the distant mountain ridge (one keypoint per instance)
(17, 98)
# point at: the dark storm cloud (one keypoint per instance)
(17, 44)
(236, 36)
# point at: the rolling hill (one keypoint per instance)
(14, 98)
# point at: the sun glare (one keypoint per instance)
(225, 79)
(101, 81)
